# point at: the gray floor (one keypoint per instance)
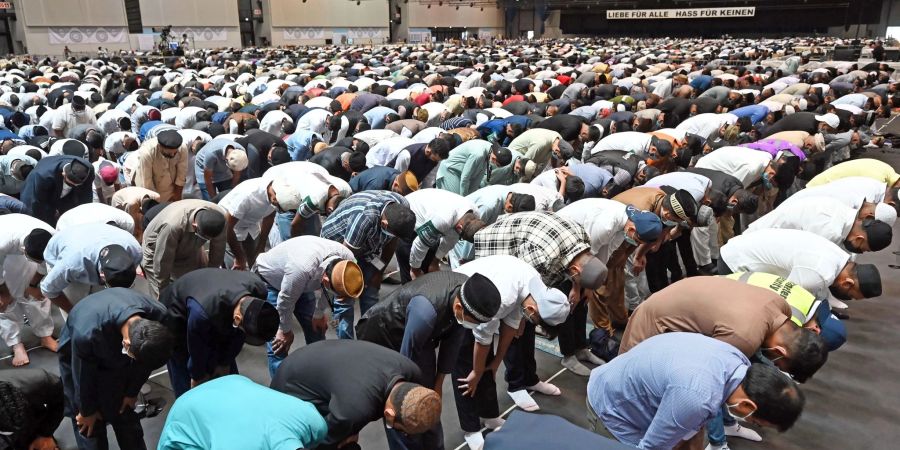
(851, 404)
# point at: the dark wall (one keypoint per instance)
(781, 17)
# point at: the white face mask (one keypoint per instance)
(739, 418)
(466, 324)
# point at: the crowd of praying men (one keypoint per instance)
(697, 206)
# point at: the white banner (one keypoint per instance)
(205, 34)
(684, 13)
(299, 34)
(366, 33)
(88, 35)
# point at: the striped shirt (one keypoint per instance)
(546, 241)
(357, 222)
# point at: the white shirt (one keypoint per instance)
(826, 217)
(437, 212)
(109, 120)
(805, 258)
(545, 199)
(427, 135)
(744, 164)
(13, 230)
(273, 120)
(706, 124)
(382, 153)
(373, 137)
(113, 142)
(95, 213)
(314, 120)
(249, 203)
(603, 220)
(512, 276)
(851, 191)
(187, 117)
(294, 267)
(546, 180)
(292, 169)
(696, 184)
(630, 141)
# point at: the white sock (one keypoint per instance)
(475, 440)
(545, 388)
(524, 400)
(494, 423)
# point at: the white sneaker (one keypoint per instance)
(475, 440)
(576, 367)
(523, 400)
(585, 355)
(836, 304)
(542, 387)
(717, 447)
(494, 423)
(737, 430)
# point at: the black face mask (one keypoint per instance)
(838, 294)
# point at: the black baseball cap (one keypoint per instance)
(259, 322)
(117, 266)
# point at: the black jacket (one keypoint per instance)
(44, 184)
(347, 381)
(330, 159)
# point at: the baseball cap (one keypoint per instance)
(553, 305)
(109, 174)
(869, 280)
(236, 159)
(831, 119)
(169, 139)
(117, 266)
(347, 279)
(878, 233)
(286, 194)
(35, 243)
(259, 322)
(647, 224)
(480, 297)
(593, 274)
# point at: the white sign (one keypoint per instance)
(684, 13)
(87, 35)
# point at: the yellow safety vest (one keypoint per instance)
(803, 303)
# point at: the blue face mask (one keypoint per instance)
(631, 241)
(767, 182)
(669, 223)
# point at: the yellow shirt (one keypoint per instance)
(866, 167)
(803, 303)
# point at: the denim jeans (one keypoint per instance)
(343, 307)
(311, 226)
(715, 428)
(303, 311)
(220, 186)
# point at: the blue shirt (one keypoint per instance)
(73, 255)
(212, 157)
(233, 412)
(595, 178)
(756, 113)
(666, 388)
(207, 347)
(376, 115)
(378, 178)
(357, 222)
(702, 82)
(300, 144)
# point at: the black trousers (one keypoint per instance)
(484, 403)
(573, 332)
(521, 367)
(657, 276)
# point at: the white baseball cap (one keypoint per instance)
(286, 194)
(553, 304)
(831, 119)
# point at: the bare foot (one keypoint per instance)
(49, 343)
(20, 356)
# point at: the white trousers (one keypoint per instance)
(18, 272)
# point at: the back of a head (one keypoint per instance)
(747, 202)
(808, 353)
(522, 202)
(15, 415)
(879, 234)
(279, 155)
(210, 222)
(503, 155)
(574, 188)
(356, 161)
(778, 399)
(471, 225)
(151, 342)
(440, 147)
(401, 221)
(418, 408)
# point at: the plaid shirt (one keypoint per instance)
(357, 222)
(546, 241)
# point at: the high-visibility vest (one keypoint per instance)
(803, 303)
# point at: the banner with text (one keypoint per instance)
(683, 13)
